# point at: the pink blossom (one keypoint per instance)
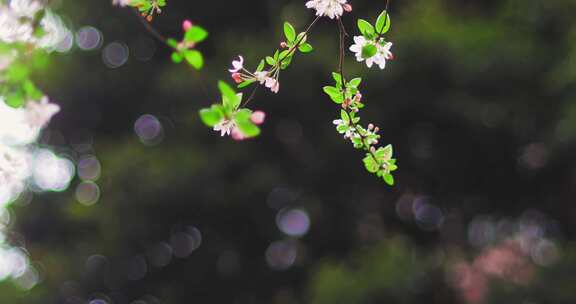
(258, 117)
(186, 25)
(237, 65)
(237, 134)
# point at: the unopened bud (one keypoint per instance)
(149, 18)
(258, 117)
(347, 7)
(373, 149)
(376, 130)
(370, 127)
(237, 77)
(186, 25)
(283, 44)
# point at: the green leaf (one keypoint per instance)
(195, 59)
(355, 82)
(371, 164)
(334, 93)
(15, 100)
(173, 43)
(389, 179)
(385, 153)
(365, 27)
(368, 51)
(246, 126)
(177, 57)
(337, 78)
(261, 66)
(195, 34)
(345, 117)
(211, 116)
(383, 23)
(230, 99)
(246, 83)
(290, 32)
(305, 48)
(270, 61)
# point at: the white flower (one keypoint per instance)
(330, 8)
(383, 52)
(344, 128)
(14, 170)
(21, 126)
(261, 76)
(225, 127)
(237, 65)
(11, 29)
(38, 114)
(273, 84)
(54, 31)
(25, 8)
(121, 3)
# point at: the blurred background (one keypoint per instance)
(479, 105)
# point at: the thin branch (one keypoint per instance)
(341, 56)
(150, 28)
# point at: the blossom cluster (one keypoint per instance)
(371, 46)
(229, 118)
(345, 93)
(268, 71)
(28, 31)
(146, 7)
(329, 8)
(18, 24)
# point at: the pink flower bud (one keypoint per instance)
(358, 97)
(237, 134)
(283, 44)
(237, 77)
(347, 7)
(186, 25)
(258, 117)
(370, 127)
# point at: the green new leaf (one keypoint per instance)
(261, 66)
(246, 126)
(194, 58)
(365, 28)
(246, 83)
(371, 164)
(385, 153)
(230, 99)
(337, 78)
(290, 32)
(355, 82)
(344, 116)
(173, 43)
(270, 61)
(383, 23)
(305, 48)
(177, 57)
(195, 34)
(211, 116)
(389, 179)
(368, 51)
(334, 93)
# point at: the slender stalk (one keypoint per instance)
(279, 63)
(341, 57)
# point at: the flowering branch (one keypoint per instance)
(185, 49)
(232, 118)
